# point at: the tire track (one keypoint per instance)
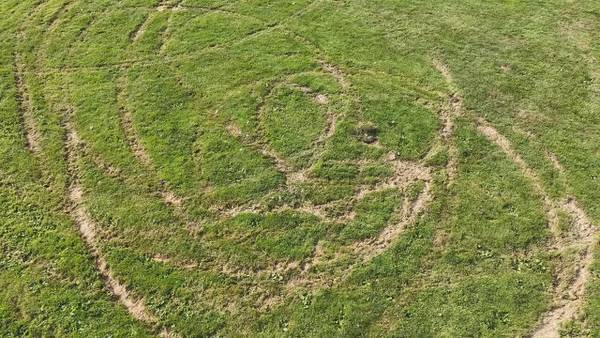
(365, 250)
(139, 31)
(292, 175)
(501, 141)
(166, 35)
(451, 110)
(297, 176)
(567, 304)
(168, 196)
(89, 232)
(405, 173)
(26, 106)
(372, 248)
(55, 19)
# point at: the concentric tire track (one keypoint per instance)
(367, 249)
(405, 173)
(566, 305)
(168, 196)
(76, 209)
(89, 232)
(569, 293)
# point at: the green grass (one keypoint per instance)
(232, 103)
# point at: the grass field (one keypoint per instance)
(307, 168)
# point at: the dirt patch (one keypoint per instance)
(26, 107)
(241, 209)
(322, 99)
(187, 265)
(583, 226)
(234, 130)
(405, 173)
(296, 177)
(171, 199)
(444, 70)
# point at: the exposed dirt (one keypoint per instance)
(263, 147)
(234, 130)
(450, 110)
(445, 71)
(337, 73)
(26, 107)
(321, 99)
(166, 34)
(405, 173)
(568, 304)
(292, 175)
(501, 141)
(168, 196)
(187, 265)
(365, 250)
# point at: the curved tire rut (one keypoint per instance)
(88, 229)
(568, 294)
(169, 197)
(567, 304)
